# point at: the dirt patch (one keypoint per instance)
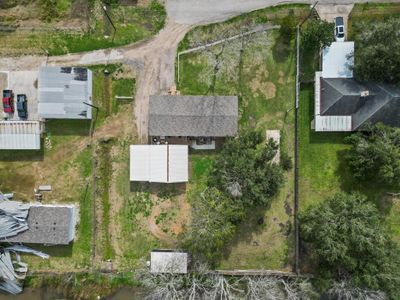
(266, 88)
(281, 79)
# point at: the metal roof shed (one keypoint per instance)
(159, 163)
(337, 60)
(63, 92)
(20, 135)
(168, 262)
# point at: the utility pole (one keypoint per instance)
(296, 147)
(109, 19)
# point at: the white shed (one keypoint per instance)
(166, 261)
(159, 163)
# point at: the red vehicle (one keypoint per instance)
(8, 101)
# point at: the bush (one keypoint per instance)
(286, 162)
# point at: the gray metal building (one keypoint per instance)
(63, 92)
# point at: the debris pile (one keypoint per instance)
(13, 220)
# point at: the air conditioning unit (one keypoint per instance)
(364, 93)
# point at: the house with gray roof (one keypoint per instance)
(194, 120)
(38, 223)
(345, 104)
(65, 93)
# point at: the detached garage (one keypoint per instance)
(159, 163)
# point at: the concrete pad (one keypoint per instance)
(329, 12)
(275, 135)
(25, 82)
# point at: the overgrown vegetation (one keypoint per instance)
(94, 30)
(316, 34)
(351, 243)
(376, 57)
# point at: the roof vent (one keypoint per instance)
(364, 93)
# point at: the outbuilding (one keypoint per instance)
(159, 163)
(168, 261)
(65, 93)
(20, 135)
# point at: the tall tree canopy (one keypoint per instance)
(349, 241)
(244, 169)
(377, 55)
(375, 154)
(316, 34)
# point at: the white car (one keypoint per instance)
(339, 29)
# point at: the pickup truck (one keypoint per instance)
(8, 101)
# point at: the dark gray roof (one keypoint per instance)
(342, 96)
(193, 116)
(48, 225)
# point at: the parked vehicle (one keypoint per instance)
(22, 106)
(339, 29)
(8, 101)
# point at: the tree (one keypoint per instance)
(350, 242)
(214, 216)
(375, 154)
(376, 53)
(317, 34)
(245, 171)
(288, 27)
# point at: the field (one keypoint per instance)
(75, 26)
(259, 69)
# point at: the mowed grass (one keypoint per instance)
(264, 84)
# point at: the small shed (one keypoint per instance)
(168, 261)
(20, 135)
(159, 163)
(275, 135)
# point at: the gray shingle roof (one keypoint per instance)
(48, 225)
(62, 91)
(342, 96)
(193, 116)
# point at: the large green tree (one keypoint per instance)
(214, 219)
(375, 154)
(244, 169)
(377, 55)
(316, 34)
(348, 239)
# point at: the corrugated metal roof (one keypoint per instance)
(63, 91)
(337, 60)
(159, 163)
(168, 262)
(20, 135)
(333, 123)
